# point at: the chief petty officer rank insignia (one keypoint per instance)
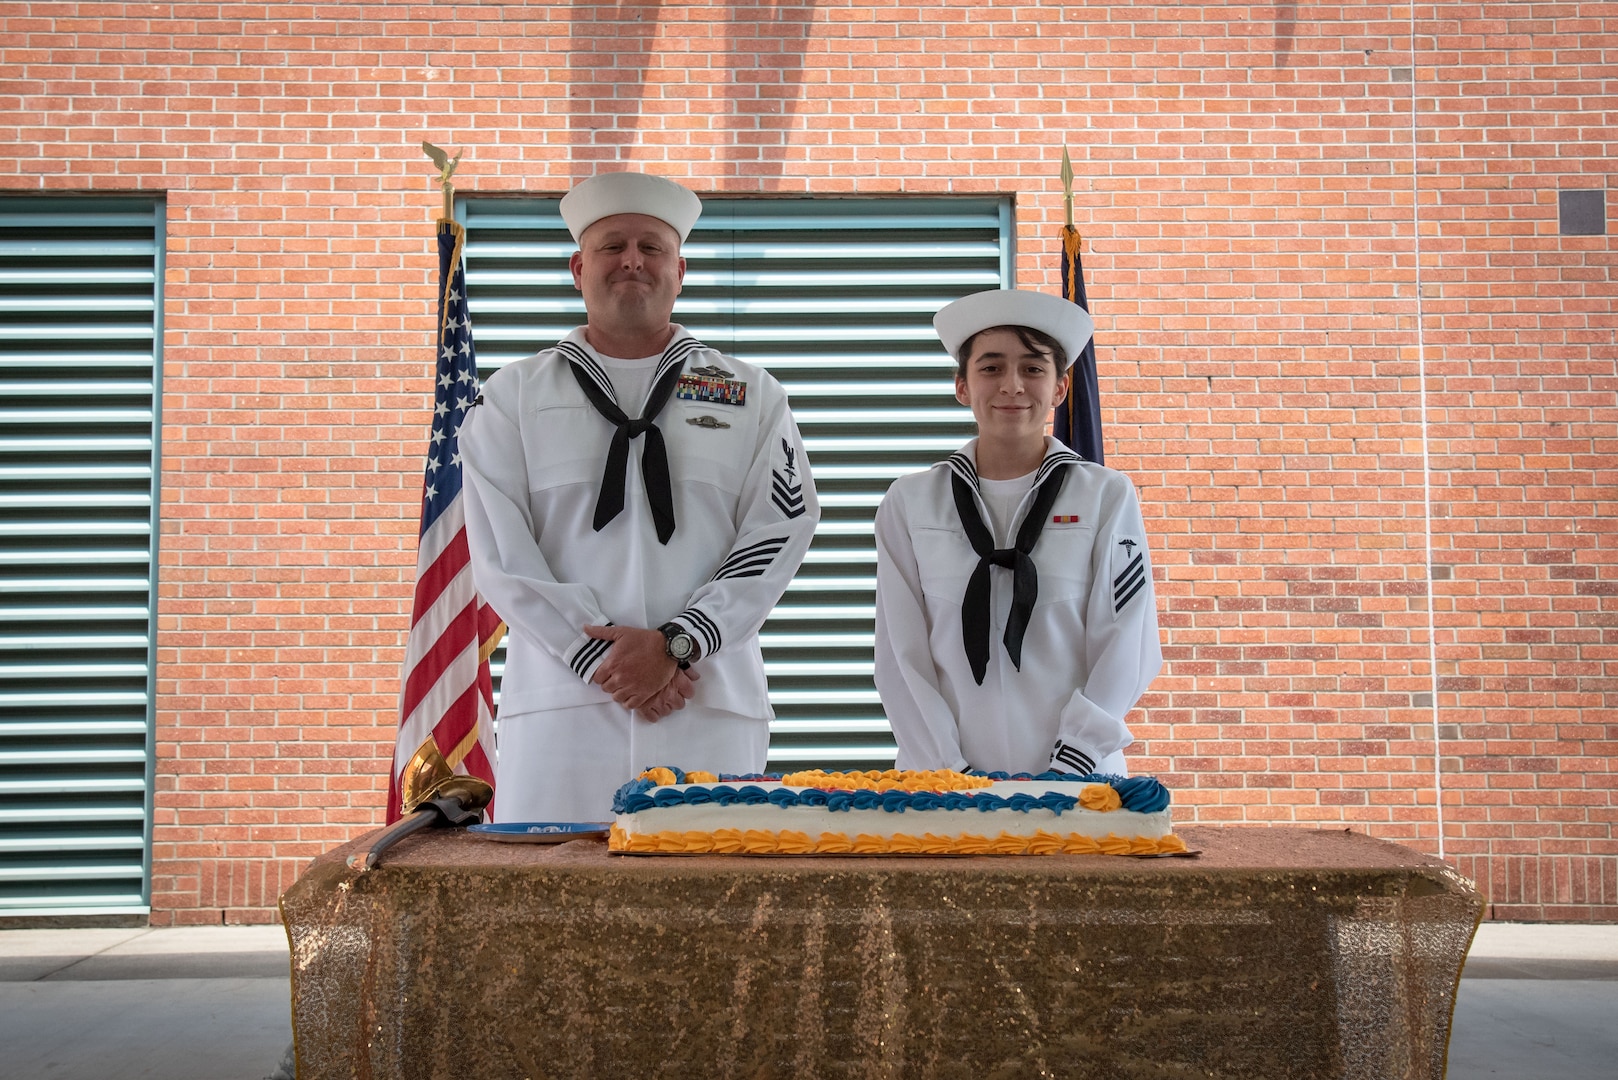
(711, 386)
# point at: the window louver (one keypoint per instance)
(80, 290)
(835, 297)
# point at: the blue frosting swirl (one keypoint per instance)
(1056, 802)
(637, 802)
(896, 802)
(866, 799)
(620, 798)
(1142, 794)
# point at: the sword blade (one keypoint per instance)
(392, 835)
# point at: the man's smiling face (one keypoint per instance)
(629, 269)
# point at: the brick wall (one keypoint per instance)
(1365, 386)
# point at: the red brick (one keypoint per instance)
(1262, 345)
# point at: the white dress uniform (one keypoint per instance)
(1090, 648)
(745, 510)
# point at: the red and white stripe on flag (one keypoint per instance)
(447, 692)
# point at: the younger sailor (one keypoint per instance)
(1016, 624)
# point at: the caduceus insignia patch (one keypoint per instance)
(1128, 571)
(786, 489)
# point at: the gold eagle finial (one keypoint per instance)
(446, 169)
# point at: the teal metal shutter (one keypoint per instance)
(835, 297)
(80, 312)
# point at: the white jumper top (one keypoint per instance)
(745, 511)
(1091, 647)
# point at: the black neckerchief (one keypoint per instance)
(1018, 559)
(654, 457)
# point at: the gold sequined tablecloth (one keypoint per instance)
(1278, 952)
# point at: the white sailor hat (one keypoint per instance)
(629, 193)
(1063, 320)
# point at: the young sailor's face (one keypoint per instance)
(1010, 388)
(629, 269)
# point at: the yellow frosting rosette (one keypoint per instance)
(1099, 797)
(727, 841)
(660, 776)
(759, 842)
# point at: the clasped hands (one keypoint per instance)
(640, 674)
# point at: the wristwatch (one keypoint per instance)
(680, 646)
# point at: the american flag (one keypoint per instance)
(447, 694)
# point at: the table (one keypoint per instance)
(1278, 952)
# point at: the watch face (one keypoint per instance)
(681, 646)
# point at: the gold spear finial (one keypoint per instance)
(1067, 189)
(446, 169)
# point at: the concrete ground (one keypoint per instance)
(1538, 1002)
(197, 1003)
(212, 1003)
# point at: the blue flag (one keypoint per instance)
(1078, 419)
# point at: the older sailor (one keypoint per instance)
(634, 589)
(1016, 623)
